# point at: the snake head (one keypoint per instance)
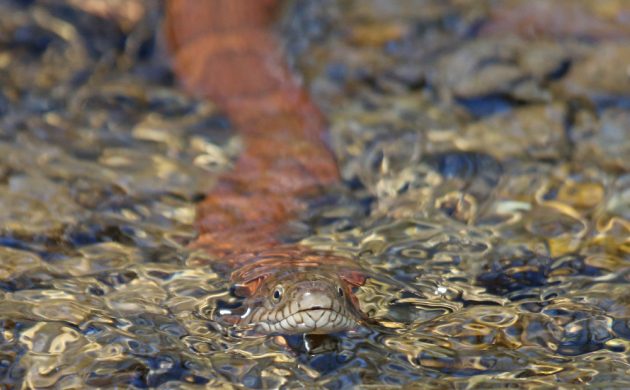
(301, 301)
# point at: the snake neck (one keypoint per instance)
(225, 50)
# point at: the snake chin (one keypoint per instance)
(310, 321)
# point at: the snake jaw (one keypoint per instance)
(312, 321)
(313, 310)
(312, 306)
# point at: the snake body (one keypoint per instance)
(224, 50)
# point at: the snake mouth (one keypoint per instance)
(314, 320)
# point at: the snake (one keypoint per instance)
(227, 52)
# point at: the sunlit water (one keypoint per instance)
(486, 185)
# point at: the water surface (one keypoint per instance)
(484, 151)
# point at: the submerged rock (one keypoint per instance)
(560, 19)
(603, 139)
(536, 131)
(601, 76)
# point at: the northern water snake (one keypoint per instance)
(224, 50)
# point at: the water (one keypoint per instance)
(486, 182)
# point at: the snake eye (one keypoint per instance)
(277, 294)
(340, 291)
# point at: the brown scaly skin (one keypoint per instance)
(224, 50)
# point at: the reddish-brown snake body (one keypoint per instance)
(225, 50)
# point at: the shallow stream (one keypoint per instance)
(485, 151)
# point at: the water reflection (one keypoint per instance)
(498, 239)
